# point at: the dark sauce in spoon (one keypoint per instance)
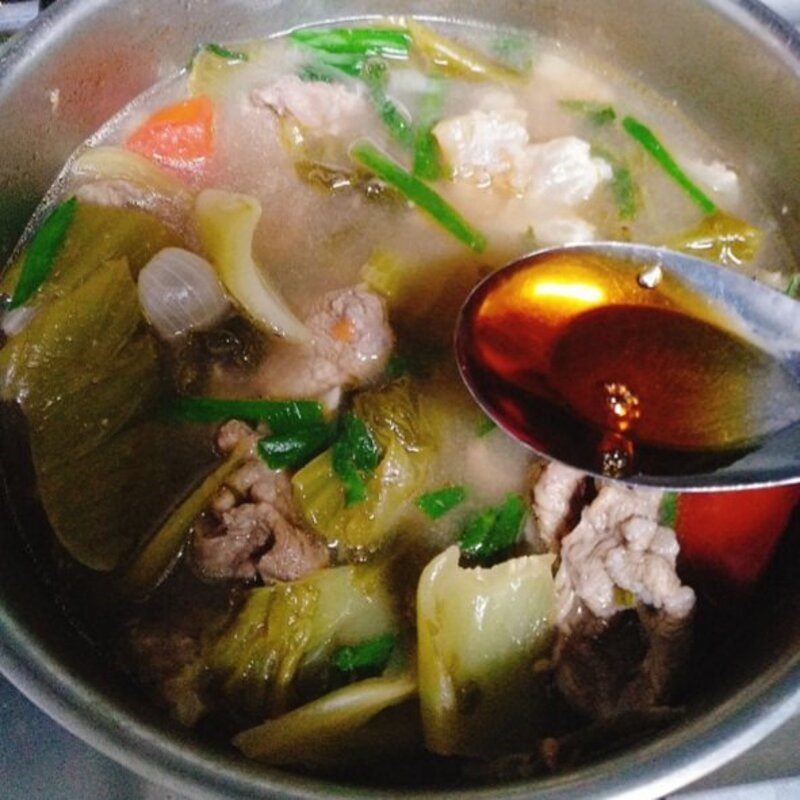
(617, 369)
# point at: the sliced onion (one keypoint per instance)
(179, 292)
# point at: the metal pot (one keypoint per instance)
(733, 68)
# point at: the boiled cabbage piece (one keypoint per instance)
(480, 632)
(276, 652)
(399, 420)
(366, 720)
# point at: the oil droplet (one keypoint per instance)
(650, 277)
(622, 405)
(616, 455)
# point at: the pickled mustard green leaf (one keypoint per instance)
(453, 59)
(337, 728)
(279, 645)
(104, 503)
(42, 252)
(722, 238)
(479, 633)
(99, 234)
(82, 368)
(398, 422)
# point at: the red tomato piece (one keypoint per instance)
(179, 137)
(732, 535)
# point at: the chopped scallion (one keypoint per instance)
(668, 510)
(385, 42)
(485, 426)
(231, 56)
(371, 655)
(418, 193)
(42, 252)
(650, 142)
(436, 504)
(282, 416)
(492, 532)
(793, 289)
(287, 450)
(355, 456)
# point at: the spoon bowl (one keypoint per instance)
(638, 363)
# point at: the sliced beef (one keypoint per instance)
(251, 528)
(633, 661)
(168, 663)
(618, 555)
(351, 345)
(624, 618)
(558, 497)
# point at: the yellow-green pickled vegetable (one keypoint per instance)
(155, 559)
(722, 238)
(480, 632)
(331, 730)
(283, 637)
(226, 223)
(97, 234)
(455, 60)
(397, 420)
(213, 67)
(118, 163)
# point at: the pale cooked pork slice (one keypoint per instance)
(351, 344)
(329, 107)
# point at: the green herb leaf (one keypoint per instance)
(42, 251)
(793, 289)
(282, 416)
(437, 504)
(491, 533)
(355, 456)
(668, 510)
(287, 450)
(598, 113)
(485, 426)
(370, 656)
(417, 192)
(650, 142)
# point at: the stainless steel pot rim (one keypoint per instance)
(654, 769)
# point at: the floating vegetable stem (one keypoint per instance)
(455, 60)
(42, 252)
(226, 223)
(418, 193)
(648, 140)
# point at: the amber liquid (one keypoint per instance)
(587, 365)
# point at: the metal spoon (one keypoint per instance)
(621, 317)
